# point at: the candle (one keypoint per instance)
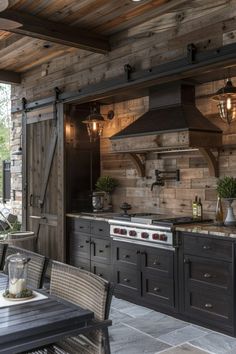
(16, 286)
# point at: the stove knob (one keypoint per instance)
(132, 233)
(116, 230)
(155, 236)
(123, 232)
(144, 235)
(163, 237)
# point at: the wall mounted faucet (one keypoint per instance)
(161, 178)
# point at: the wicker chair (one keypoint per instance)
(2, 254)
(88, 291)
(36, 266)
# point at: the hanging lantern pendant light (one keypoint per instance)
(95, 124)
(226, 98)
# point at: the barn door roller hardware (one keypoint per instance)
(128, 71)
(161, 177)
(191, 53)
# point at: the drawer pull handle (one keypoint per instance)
(207, 275)
(81, 267)
(81, 227)
(157, 289)
(100, 274)
(100, 230)
(107, 246)
(81, 246)
(208, 306)
(126, 280)
(126, 256)
(205, 247)
(100, 251)
(87, 241)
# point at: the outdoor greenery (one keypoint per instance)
(226, 187)
(5, 121)
(106, 184)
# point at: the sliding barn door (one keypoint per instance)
(43, 168)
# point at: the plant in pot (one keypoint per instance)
(226, 188)
(107, 185)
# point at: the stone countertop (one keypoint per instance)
(94, 216)
(208, 229)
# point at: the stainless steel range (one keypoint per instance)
(155, 230)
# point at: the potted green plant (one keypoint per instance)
(107, 185)
(226, 188)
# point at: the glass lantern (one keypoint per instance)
(226, 102)
(17, 273)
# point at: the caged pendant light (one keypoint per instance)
(226, 98)
(95, 122)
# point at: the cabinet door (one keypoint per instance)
(207, 293)
(128, 281)
(79, 245)
(126, 254)
(208, 274)
(158, 290)
(81, 263)
(100, 250)
(126, 269)
(100, 269)
(158, 260)
(100, 228)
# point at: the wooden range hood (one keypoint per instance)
(173, 123)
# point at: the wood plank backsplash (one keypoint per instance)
(174, 197)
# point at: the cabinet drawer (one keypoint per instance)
(80, 245)
(81, 263)
(209, 306)
(208, 246)
(125, 254)
(102, 270)
(127, 280)
(201, 271)
(158, 290)
(100, 228)
(100, 250)
(158, 260)
(80, 225)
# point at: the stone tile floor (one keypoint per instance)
(138, 330)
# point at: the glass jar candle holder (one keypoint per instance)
(17, 273)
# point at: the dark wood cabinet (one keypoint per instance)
(89, 246)
(144, 274)
(208, 281)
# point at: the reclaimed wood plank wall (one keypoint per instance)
(174, 197)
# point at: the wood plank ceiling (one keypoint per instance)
(107, 18)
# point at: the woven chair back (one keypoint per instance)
(2, 254)
(80, 287)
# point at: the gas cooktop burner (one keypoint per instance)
(129, 217)
(179, 220)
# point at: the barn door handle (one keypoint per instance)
(31, 198)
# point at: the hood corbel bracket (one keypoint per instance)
(139, 162)
(212, 161)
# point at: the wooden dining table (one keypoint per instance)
(26, 326)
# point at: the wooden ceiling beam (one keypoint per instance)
(10, 77)
(36, 27)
